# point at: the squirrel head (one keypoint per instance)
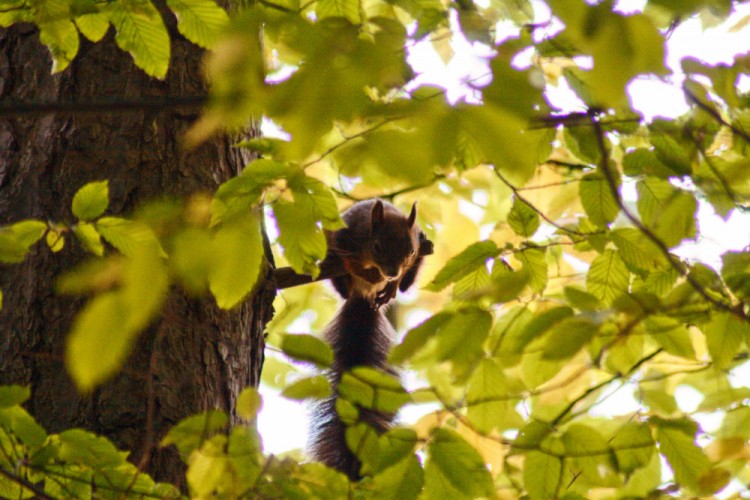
(394, 239)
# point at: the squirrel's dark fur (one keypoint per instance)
(380, 250)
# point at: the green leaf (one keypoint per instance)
(93, 25)
(208, 468)
(12, 395)
(608, 277)
(622, 47)
(18, 421)
(307, 348)
(86, 448)
(316, 387)
(585, 444)
(89, 238)
(736, 272)
(534, 262)
(55, 240)
(191, 258)
(99, 341)
(523, 219)
(489, 406)
(567, 337)
(301, 223)
(190, 432)
(28, 232)
(736, 423)
(402, 481)
(634, 447)
(349, 9)
(129, 237)
(454, 469)
(56, 31)
(597, 199)
(541, 475)
(687, 460)
(724, 335)
(104, 331)
(370, 388)
(91, 200)
(394, 446)
(671, 335)
(672, 153)
(141, 33)
(200, 21)
(539, 324)
(461, 339)
(644, 162)
(505, 140)
(417, 337)
(249, 403)
(637, 251)
(669, 212)
(362, 440)
(470, 259)
(236, 261)
(11, 250)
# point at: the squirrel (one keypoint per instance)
(380, 250)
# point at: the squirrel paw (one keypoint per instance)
(385, 295)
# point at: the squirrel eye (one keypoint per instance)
(411, 254)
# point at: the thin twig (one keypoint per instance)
(538, 211)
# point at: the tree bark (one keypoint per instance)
(196, 356)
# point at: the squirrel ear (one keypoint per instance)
(412, 215)
(376, 217)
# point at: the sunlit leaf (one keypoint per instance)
(200, 21)
(465, 262)
(489, 406)
(89, 238)
(454, 469)
(370, 388)
(541, 475)
(12, 395)
(56, 31)
(598, 200)
(535, 263)
(523, 219)
(190, 432)
(307, 348)
(608, 277)
(724, 336)
(85, 448)
(141, 32)
(568, 337)
(235, 264)
(91, 200)
(249, 403)
(316, 387)
(687, 460)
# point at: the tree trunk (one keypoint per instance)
(195, 357)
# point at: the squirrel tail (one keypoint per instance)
(360, 336)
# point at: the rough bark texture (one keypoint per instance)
(196, 356)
